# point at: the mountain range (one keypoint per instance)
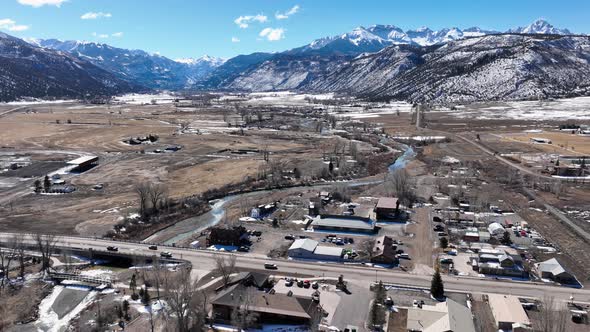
(381, 61)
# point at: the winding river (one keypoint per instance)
(194, 225)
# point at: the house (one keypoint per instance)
(336, 223)
(553, 270)
(507, 311)
(309, 249)
(387, 208)
(501, 264)
(449, 316)
(383, 251)
(267, 307)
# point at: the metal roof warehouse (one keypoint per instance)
(343, 223)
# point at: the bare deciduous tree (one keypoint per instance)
(367, 246)
(242, 316)
(45, 245)
(156, 193)
(143, 193)
(226, 266)
(553, 316)
(398, 183)
(186, 303)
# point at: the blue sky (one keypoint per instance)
(191, 28)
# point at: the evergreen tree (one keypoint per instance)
(133, 283)
(436, 287)
(126, 309)
(37, 186)
(377, 312)
(46, 183)
(444, 242)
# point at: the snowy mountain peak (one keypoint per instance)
(205, 59)
(540, 26)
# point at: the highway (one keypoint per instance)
(360, 275)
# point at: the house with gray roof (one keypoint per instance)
(553, 270)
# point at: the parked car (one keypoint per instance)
(399, 251)
(350, 240)
(404, 256)
(153, 247)
(388, 301)
(166, 254)
(289, 237)
(315, 285)
(257, 233)
(306, 284)
(270, 266)
(299, 283)
(289, 283)
(111, 248)
(244, 249)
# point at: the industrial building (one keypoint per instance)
(309, 249)
(337, 223)
(551, 269)
(83, 163)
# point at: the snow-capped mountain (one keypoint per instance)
(204, 60)
(540, 26)
(490, 67)
(30, 71)
(148, 69)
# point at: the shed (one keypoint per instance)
(496, 229)
(302, 248)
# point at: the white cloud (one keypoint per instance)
(244, 21)
(285, 15)
(39, 3)
(10, 25)
(94, 16)
(235, 39)
(272, 34)
(117, 35)
(100, 35)
(19, 28)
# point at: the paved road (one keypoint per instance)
(523, 169)
(360, 275)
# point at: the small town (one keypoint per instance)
(384, 179)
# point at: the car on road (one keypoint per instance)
(111, 248)
(166, 254)
(153, 247)
(270, 266)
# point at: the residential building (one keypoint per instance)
(449, 316)
(507, 311)
(387, 208)
(383, 251)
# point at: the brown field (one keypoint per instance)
(562, 142)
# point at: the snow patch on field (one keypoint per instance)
(140, 99)
(49, 320)
(560, 109)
